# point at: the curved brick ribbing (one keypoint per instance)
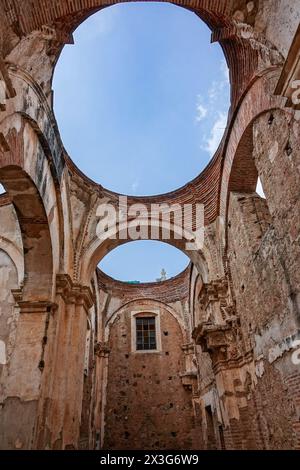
(236, 166)
(32, 14)
(203, 189)
(242, 59)
(225, 326)
(169, 291)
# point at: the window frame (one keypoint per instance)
(145, 314)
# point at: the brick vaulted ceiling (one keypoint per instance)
(242, 48)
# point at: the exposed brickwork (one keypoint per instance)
(225, 376)
(145, 390)
(177, 288)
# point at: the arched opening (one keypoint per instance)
(146, 338)
(34, 231)
(2, 190)
(150, 120)
(26, 284)
(144, 261)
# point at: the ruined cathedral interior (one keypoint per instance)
(206, 360)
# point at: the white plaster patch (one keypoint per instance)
(246, 33)
(259, 369)
(14, 122)
(297, 115)
(296, 354)
(2, 353)
(286, 345)
(273, 152)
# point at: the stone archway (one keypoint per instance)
(32, 297)
(35, 233)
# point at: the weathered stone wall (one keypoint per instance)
(17, 415)
(268, 324)
(147, 405)
(231, 318)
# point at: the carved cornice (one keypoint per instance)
(188, 348)
(211, 337)
(189, 380)
(33, 306)
(74, 293)
(213, 292)
(58, 34)
(268, 52)
(220, 341)
(233, 362)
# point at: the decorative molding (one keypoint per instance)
(189, 378)
(74, 293)
(31, 306)
(145, 312)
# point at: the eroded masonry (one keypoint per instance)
(206, 360)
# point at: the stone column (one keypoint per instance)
(102, 352)
(61, 402)
(22, 378)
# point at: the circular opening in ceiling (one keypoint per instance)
(142, 98)
(144, 261)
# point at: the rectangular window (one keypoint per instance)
(145, 334)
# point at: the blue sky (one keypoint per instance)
(142, 101)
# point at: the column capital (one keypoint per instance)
(74, 293)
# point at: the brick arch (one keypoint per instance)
(61, 18)
(241, 56)
(24, 173)
(153, 304)
(239, 172)
(36, 110)
(30, 15)
(35, 232)
(58, 20)
(98, 249)
(16, 256)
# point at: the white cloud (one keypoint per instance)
(219, 87)
(214, 107)
(212, 142)
(201, 111)
(214, 90)
(2, 190)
